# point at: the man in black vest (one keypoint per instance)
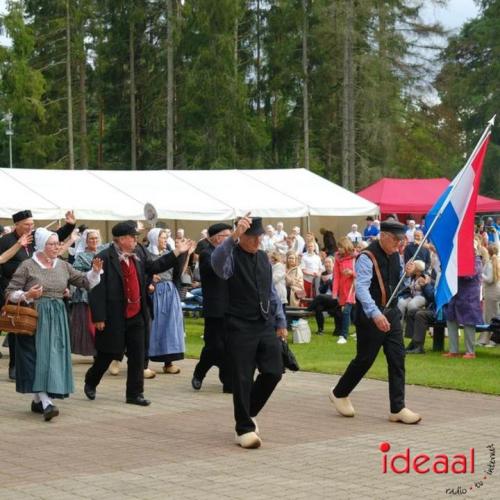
(378, 270)
(23, 224)
(215, 302)
(254, 321)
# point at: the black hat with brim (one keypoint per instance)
(256, 228)
(127, 228)
(393, 227)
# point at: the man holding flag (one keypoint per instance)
(378, 323)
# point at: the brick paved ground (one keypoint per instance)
(181, 447)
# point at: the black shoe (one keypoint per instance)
(89, 391)
(138, 400)
(50, 412)
(416, 350)
(36, 407)
(319, 332)
(12, 372)
(196, 383)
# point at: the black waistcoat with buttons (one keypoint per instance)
(250, 285)
(390, 269)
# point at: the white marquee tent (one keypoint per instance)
(196, 195)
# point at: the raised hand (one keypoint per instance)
(184, 245)
(97, 265)
(243, 224)
(69, 217)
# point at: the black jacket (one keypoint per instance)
(214, 289)
(107, 299)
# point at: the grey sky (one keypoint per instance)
(453, 15)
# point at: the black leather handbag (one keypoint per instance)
(289, 359)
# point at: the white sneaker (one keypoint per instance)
(114, 367)
(249, 440)
(342, 340)
(342, 405)
(491, 343)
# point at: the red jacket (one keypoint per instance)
(343, 286)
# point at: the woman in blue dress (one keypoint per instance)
(166, 342)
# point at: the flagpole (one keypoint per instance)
(491, 122)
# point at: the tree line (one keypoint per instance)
(340, 87)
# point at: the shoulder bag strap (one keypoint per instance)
(379, 276)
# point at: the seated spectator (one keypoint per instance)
(324, 302)
(419, 320)
(491, 293)
(413, 297)
(354, 235)
(312, 268)
(423, 254)
(294, 280)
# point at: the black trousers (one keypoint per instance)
(369, 341)
(252, 345)
(215, 352)
(417, 323)
(324, 303)
(134, 344)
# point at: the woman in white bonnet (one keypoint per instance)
(43, 361)
(166, 342)
(82, 329)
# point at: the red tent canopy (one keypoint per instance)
(415, 196)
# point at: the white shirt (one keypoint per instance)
(267, 243)
(299, 241)
(355, 236)
(410, 235)
(280, 235)
(311, 263)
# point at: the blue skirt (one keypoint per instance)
(43, 362)
(167, 328)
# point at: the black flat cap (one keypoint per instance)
(256, 228)
(127, 228)
(369, 218)
(394, 227)
(23, 214)
(217, 228)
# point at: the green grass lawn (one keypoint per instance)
(324, 355)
